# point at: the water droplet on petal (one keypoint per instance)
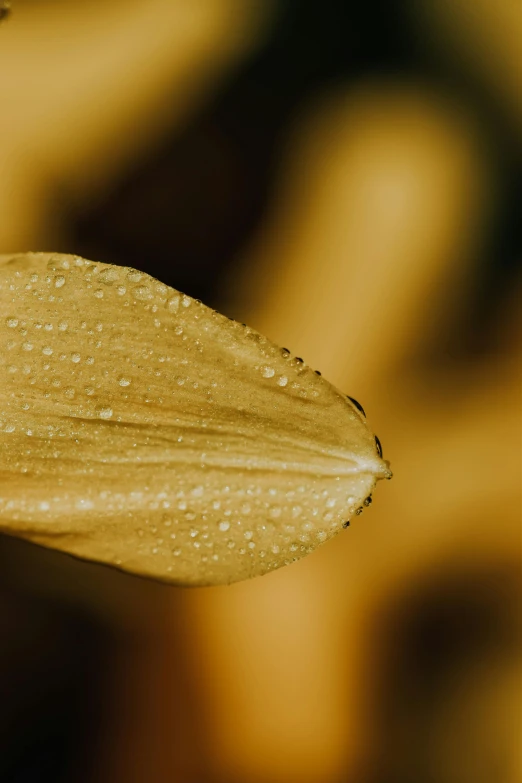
(103, 411)
(109, 276)
(172, 304)
(142, 293)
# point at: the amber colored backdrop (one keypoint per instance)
(345, 177)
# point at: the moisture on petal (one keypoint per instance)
(141, 429)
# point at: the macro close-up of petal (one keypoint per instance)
(141, 429)
(288, 207)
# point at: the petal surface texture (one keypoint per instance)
(141, 429)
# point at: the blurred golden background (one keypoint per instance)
(346, 178)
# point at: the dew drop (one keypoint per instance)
(224, 526)
(59, 281)
(321, 535)
(268, 372)
(172, 304)
(103, 411)
(108, 276)
(142, 292)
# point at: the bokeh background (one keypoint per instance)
(344, 176)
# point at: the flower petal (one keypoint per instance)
(141, 429)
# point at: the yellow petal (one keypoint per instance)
(141, 429)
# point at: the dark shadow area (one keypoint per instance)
(444, 646)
